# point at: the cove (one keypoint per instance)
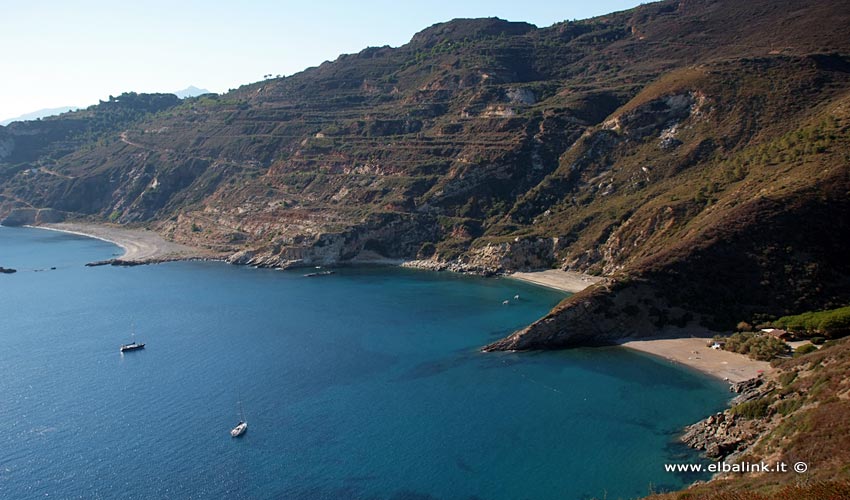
(365, 384)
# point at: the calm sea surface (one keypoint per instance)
(366, 384)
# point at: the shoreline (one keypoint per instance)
(140, 246)
(565, 281)
(693, 352)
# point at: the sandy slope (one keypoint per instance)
(140, 245)
(567, 281)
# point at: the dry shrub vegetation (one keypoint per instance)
(812, 406)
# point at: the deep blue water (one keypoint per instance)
(362, 385)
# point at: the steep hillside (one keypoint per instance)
(665, 146)
(801, 414)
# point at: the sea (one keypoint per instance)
(365, 384)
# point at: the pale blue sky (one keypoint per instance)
(57, 54)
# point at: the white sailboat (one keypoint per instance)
(242, 426)
(132, 346)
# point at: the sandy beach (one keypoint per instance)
(140, 245)
(693, 352)
(567, 281)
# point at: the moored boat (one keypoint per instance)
(242, 426)
(240, 429)
(321, 273)
(132, 346)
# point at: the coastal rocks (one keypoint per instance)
(723, 434)
(381, 237)
(518, 255)
(747, 389)
(726, 433)
(451, 266)
(491, 259)
(259, 258)
(5, 270)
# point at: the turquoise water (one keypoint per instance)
(366, 384)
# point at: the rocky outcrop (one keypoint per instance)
(387, 237)
(657, 117)
(521, 254)
(602, 314)
(726, 433)
(454, 266)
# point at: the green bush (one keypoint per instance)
(787, 406)
(787, 377)
(832, 323)
(743, 326)
(804, 349)
(752, 409)
(817, 340)
(756, 346)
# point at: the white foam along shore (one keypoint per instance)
(139, 245)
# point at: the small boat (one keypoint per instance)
(321, 273)
(242, 426)
(240, 429)
(132, 346)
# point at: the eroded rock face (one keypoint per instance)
(490, 259)
(382, 237)
(657, 117)
(518, 255)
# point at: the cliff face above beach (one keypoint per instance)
(694, 151)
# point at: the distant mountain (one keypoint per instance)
(190, 91)
(41, 113)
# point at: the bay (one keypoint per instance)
(366, 384)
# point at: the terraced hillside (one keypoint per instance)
(696, 152)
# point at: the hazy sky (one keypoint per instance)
(57, 54)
